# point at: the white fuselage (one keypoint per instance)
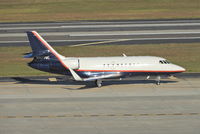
(122, 64)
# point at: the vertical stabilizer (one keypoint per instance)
(41, 48)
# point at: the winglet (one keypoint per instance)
(75, 75)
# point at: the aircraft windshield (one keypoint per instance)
(164, 62)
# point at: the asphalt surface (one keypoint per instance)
(61, 78)
(104, 32)
(118, 107)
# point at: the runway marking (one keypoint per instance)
(106, 33)
(62, 26)
(105, 40)
(101, 22)
(101, 42)
(100, 115)
(134, 39)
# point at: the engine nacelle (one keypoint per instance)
(73, 63)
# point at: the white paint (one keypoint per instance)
(130, 63)
(135, 39)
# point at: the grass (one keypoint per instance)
(61, 10)
(186, 55)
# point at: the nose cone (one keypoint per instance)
(180, 69)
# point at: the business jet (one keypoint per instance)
(96, 69)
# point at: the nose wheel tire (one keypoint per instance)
(98, 83)
(158, 80)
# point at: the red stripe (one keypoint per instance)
(49, 48)
(154, 71)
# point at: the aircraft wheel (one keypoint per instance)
(158, 80)
(98, 83)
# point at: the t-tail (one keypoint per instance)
(45, 58)
(40, 47)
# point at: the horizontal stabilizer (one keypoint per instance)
(28, 55)
(38, 54)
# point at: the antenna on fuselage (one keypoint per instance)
(124, 55)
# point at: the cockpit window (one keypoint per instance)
(164, 62)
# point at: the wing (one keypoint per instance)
(78, 78)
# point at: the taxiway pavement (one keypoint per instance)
(127, 107)
(105, 32)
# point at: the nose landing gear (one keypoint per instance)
(158, 80)
(98, 83)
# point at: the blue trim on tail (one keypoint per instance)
(38, 48)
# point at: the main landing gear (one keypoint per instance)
(98, 83)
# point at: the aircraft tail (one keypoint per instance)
(39, 46)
